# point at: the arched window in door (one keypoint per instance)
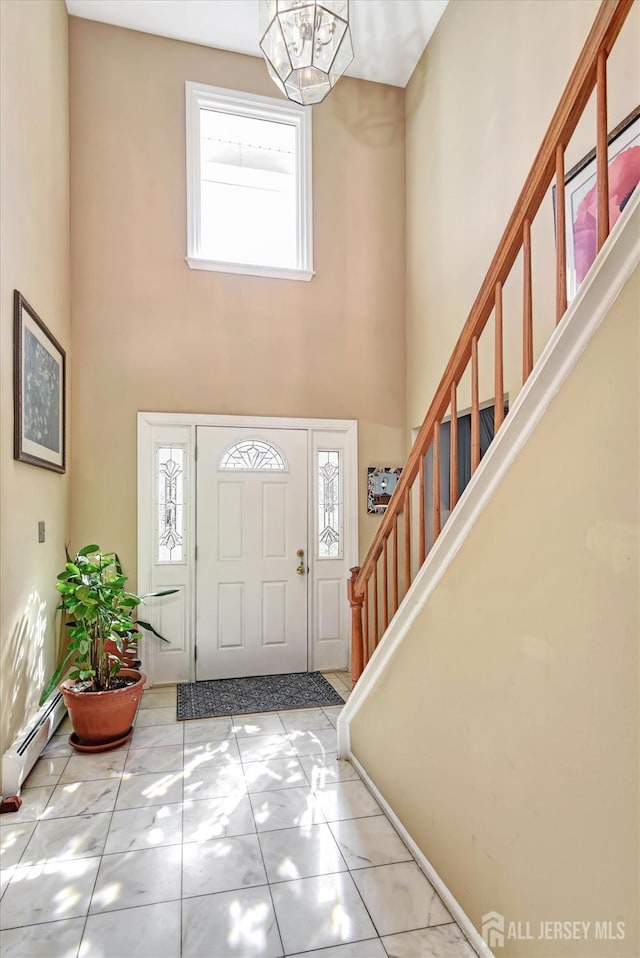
(253, 455)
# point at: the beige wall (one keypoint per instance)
(477, 107)
(505, 736)
(151, 334)
(34, 258)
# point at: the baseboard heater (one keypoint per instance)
(20, 758)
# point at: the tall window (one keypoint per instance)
(330, 505)
(248, 184)
(170, 520)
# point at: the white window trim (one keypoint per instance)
(200, 96)
(181, 428)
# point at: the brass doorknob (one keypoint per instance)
(300, 568)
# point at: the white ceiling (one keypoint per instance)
(388, 35)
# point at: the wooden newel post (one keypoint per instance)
(356, 602)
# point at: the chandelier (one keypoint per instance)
(306, 44)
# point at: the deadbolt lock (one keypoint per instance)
(301, 568)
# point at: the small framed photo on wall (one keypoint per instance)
(381, 481)
(39, 389)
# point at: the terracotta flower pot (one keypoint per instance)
(101, 718)
(128, 656)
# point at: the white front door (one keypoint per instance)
(251, 526)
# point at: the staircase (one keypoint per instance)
(407, 532)
(495, 724)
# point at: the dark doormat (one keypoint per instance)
(259, 693)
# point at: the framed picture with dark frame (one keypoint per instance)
(581, 198)
(381, 481)
(39, 390)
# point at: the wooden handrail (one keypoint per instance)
(588, 70)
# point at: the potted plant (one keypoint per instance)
(101, 696)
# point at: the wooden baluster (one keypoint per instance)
(365, 625)
(394, 578)
(436, 481)
(356, 602)
(422, 548)
(602, 162)
(453, 450)
(498, 389)
(527, 312)
(385, 586)
(475, 408)
(561, 238)
(407, 540)
(376, 624)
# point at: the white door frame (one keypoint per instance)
(185, 426)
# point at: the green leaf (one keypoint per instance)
(92, 590)
(154, 595)
(88, 550)
(55, 678)
(150, 628)
(116, 581)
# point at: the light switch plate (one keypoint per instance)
(41, 530)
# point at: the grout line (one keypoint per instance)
(102, 855)
(113, 811)
(256, 833)
(266, 875)
(366, 908)
(113, 911)
(242, 763)
(210, 894)
(17, 864)
(327, 948)
(54, 921)
(95, 882)
(182, 846)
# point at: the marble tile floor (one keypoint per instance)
(240, 836)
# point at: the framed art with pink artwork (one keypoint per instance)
(581, 200)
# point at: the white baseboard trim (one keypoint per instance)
(22, 755)
(459, 915)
